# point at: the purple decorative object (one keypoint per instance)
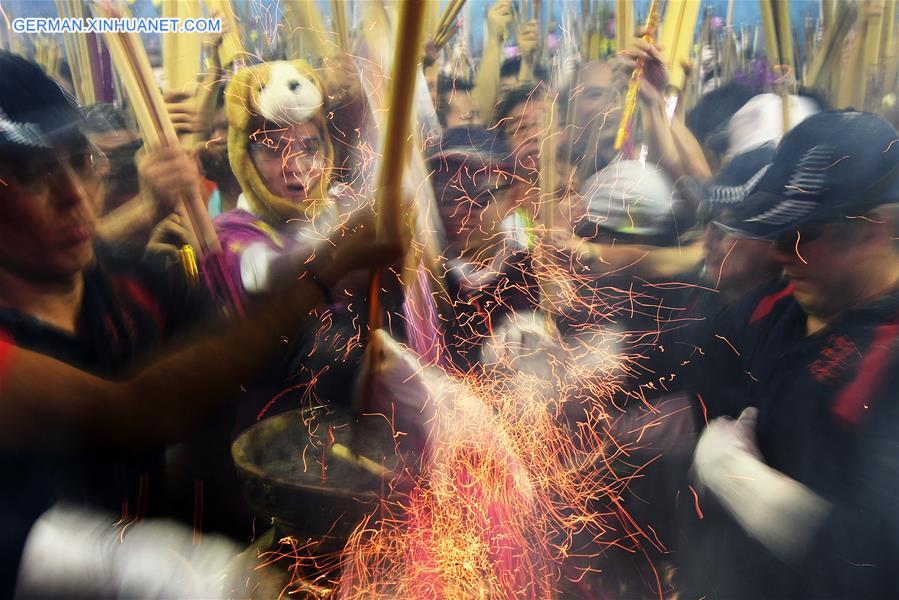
(758, 77)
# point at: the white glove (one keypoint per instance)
(781, 513)
(74, 552)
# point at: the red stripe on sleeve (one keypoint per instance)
(854, 400)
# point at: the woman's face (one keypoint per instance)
(290, 160)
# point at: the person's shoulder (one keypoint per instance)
(117, 261)
(238, 229)
(748, 322)
(235, 221)
(764, 308)
(150, 283)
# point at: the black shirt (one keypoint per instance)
(829, 418)
(129, 308)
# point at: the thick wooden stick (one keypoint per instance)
(390, 221)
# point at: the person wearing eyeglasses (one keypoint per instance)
(101, 367)
(799, 493)
(281, 153)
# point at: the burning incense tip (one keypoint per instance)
(344, 453)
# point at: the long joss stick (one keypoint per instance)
(405, 61)
(448, 19)
(772, 44)
(873, 46)
(338, 10)
(390, 221)
(852, 75)
(358, 460)
(677, 38)
(180, 52)
(784, 33)
(829, 52)
(890, 56)
(424, 270)
(549, 185)
(231, 49)
(624, 24)
(785, 43)
(633, 88)
(131, 61)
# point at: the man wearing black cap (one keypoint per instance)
(799, 494)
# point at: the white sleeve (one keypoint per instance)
(255, 266)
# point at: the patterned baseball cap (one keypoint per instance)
(833, 164)
(35, 113)
(731, 183)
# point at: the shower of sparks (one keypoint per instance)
(523, 461)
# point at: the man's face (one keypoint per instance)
(523, 129)
(472, 205)
(290, 160)
(596, 98)
(47, 214)
(119, 173)
(735, 263)
(830, 264)
(463, 111)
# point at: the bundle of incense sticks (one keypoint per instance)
(130, 60)
(633, 88)
(181, 53)
(231, 51)
(78, 53)
(829, 54)
(338, 11)
(677, 38)
(624, 24)
(447, 27)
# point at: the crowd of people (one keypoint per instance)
(748, 270)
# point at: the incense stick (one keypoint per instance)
(338, 10)
(231, 49)
(630, 100)
(677, 38)
(390, 221)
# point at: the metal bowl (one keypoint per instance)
(280, 486)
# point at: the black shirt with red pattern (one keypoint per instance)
(828, 418)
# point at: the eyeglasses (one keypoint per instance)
(787, 242)
(285, 148)
(522, 127)
(37, 174)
